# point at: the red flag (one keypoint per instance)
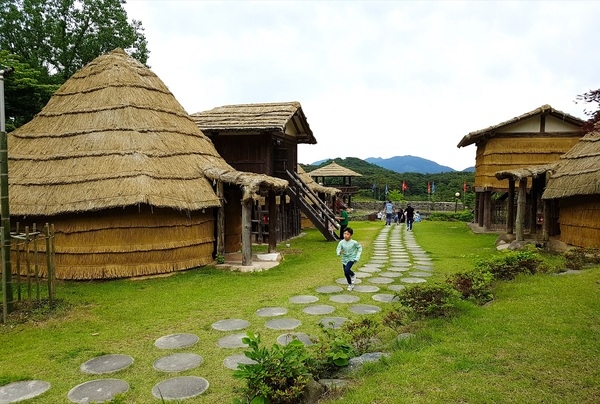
(428, 187)
(404, 186)
(465, 187)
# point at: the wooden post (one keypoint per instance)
(533, 212)
(521, 206)
(49, 262)
(36, 267)
(221, 220)
(247, 232)
(487, 210)
(28, 263)
(273, 223)
(546, 223)
(510, 213)
(4, 282)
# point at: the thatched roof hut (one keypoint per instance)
(333, 170)
(284, 118)
(314, 186)
(124, 173)
(576, 184)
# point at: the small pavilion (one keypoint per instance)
(340, 177)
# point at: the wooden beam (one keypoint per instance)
(247, 232)
(221, 220)
(273, 222)
(521, 206)
(510, 214)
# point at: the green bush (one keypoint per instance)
(474, 284)
(362, 334)
(330, 353)
(398, 318)
(279, 374)
(577, 258)
(461, 216)
(429, 300)
(510, 264)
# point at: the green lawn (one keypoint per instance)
(539, 341)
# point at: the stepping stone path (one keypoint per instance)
(397, 260)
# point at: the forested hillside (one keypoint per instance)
(374, 180)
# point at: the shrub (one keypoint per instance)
(508, 265)
(577, 258)
(398, 318)
(330, 353)
(362, 334)
(462, 216)
(429, 300)
(279, 374)
(474, 284)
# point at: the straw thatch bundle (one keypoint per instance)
(333, 170)
(578, 171)
(314, 186)
(280, 117)
(124, 173)
(526, 172)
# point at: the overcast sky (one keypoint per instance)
(378, 79)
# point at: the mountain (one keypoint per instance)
(409, 164)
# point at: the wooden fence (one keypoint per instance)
(32, 279)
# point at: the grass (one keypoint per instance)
(539, 341)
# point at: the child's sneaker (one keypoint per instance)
(350, 287)
(353, 278)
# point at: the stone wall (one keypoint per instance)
(421, 206)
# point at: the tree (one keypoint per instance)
(592, 96)
(46, 41)
(25, 93)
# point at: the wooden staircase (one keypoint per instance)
(312, 206)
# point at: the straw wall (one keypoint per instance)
(508, 153)
(120, 243)
(580, 221)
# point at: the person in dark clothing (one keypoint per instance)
(343, 220)
(409, 212)
(400, 215)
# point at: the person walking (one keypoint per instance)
(343, 220)
(409, 212)
(389, 212)
(350, 251)
(400, 215)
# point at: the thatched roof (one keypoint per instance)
(526, 172)
(578, 171)
(333, 170)
(478, 135)
(283, 118)
(314, 186)
(113, 135)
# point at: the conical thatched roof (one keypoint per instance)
(578, 171)
(333, 170)
(478, 135)
(284, 118)
(113, 135)
(314, 186)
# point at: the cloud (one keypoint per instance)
(378, 79)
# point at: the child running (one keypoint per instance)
(350, 251)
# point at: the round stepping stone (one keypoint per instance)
(364, 309)
(23, 390)
(329, 289)
(343, 281)
(413, 280)
(385, 297)
(97, 391)
(344, 298)
(180, 388)
(423, 267)
(175, 341)
(333, 322)
(398, 269)
(380, 280)
(420, 274)
(233, 324)
(373, 265)
(106, 364)
(303, 299)
(370, 269)
(319, 309)
(271, 311)
(390, 274)
(233, 361)
(396, 288)
(366, 288)
(282, 324)
(177, 362)
(362, 274)
(285, 339)
(232, 341)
